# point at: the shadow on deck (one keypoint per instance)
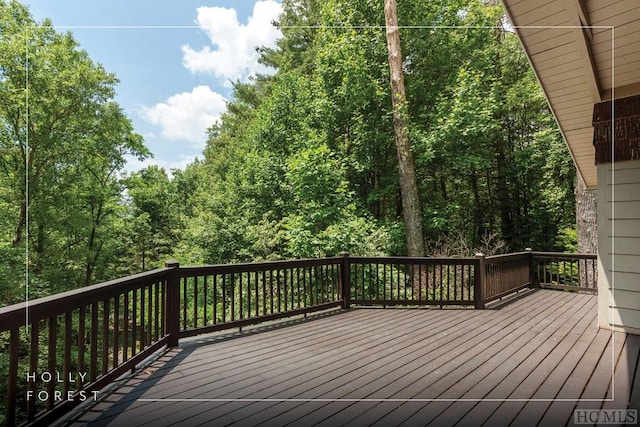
(530, 362)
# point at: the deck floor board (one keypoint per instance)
(512, 362)
(347, 384)
(634, 399)
(462, 357)
(399, 366)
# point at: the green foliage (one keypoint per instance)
(72, 150)
(567, 240)
(302, 163)
(154, 223)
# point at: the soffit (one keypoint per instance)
(582, 52)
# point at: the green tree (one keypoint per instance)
(61, 132)
(308, 152)
(408, 186)
(155, 220)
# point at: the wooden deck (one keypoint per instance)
(529, 362)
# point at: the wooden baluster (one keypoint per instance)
(116, 330)
(66, 363)
(12, 377)
(33, 370)
(264, 292)
(143, 342)
(204, 283)
(278, 291)
(185, 300)
(81, 333)
(215, 299)
(94, 342)
(134, 321)
(233, 297)
(195, 302)
(256, 291)
(125, 328)
(224, 298)
(285, 290)
(51, 360)
(158, 327)
(248, 295)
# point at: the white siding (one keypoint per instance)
(619, 245)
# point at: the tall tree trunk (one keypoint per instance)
(477, 209)
(500, 149)
(587, 226)
(408, 185)
(17, 235)
(21, 226)
(91, 257)
(502, 193)
(586, 217)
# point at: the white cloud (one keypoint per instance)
(181, 163)
(134, 165)
(187, 115)
(234, 53)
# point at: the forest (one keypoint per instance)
(303, 162)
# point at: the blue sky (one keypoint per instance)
(174, 60)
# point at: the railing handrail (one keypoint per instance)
(250, 267)
(14, 316)
(567, 255)
(505, 257)
(412, 260)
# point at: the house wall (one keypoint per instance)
(619, 245)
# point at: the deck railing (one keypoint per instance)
(413, 281)
(563, 271)
(64, 348)
(506, 274)
(217, 297)
(79, 341)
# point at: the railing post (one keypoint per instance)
(532, 281)
(478, 286)
(172, 303)
(345, 280)
(12, 379)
